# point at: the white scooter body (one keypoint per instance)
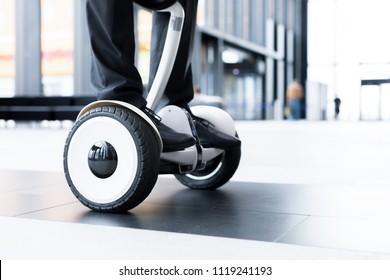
(113, 154)
(174, 117)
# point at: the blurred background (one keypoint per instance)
(246, 54)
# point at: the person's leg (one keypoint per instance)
(180, 88)
(111, 29)
(114, 75)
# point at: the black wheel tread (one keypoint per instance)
(148, 171)
(230, 161)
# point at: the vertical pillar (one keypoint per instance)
(219, 81)
(210, 68)
(196, 58)
(280, 78)
(28, 78)
(290, 56)
(360, 101)
(82, 51)
(301, 48)
(270, 68)
(301, 10)
(380, 103)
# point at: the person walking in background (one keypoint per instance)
(294, 95)
(337, 104)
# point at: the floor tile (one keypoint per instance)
(349, 234)
(15, 180)
(174, 208)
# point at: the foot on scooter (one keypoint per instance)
(172, 141)
(209, 137)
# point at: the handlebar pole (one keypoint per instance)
(168, 57)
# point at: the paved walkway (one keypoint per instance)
(304, 190)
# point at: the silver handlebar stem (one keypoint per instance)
(168, 56)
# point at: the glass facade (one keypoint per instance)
(144, 22)
(7, 48)
(57, 43)
(248, 53)
(42, 29)
(242, 18)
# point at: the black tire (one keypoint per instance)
(217, 172)
(110, 123)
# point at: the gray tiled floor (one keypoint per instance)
(283, 213)
(175, 209)
(311, 197)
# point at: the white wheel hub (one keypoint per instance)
(93, 188)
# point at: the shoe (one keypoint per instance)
(209, 137)
(172, 141)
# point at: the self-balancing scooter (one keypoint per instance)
(113, 154)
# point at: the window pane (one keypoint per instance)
(246, 17)
(201, 21)
(144, 37)
(229, 12)
(210, 13)
(7, 48)
(57, 47)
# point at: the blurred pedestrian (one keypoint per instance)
(337, 104)
(294, 95)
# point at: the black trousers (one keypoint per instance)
(114, 75)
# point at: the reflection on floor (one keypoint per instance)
(349, 214)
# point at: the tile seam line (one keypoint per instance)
(291, 229)
(43, 209)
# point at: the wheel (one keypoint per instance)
(217, 172)
(111, 159)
